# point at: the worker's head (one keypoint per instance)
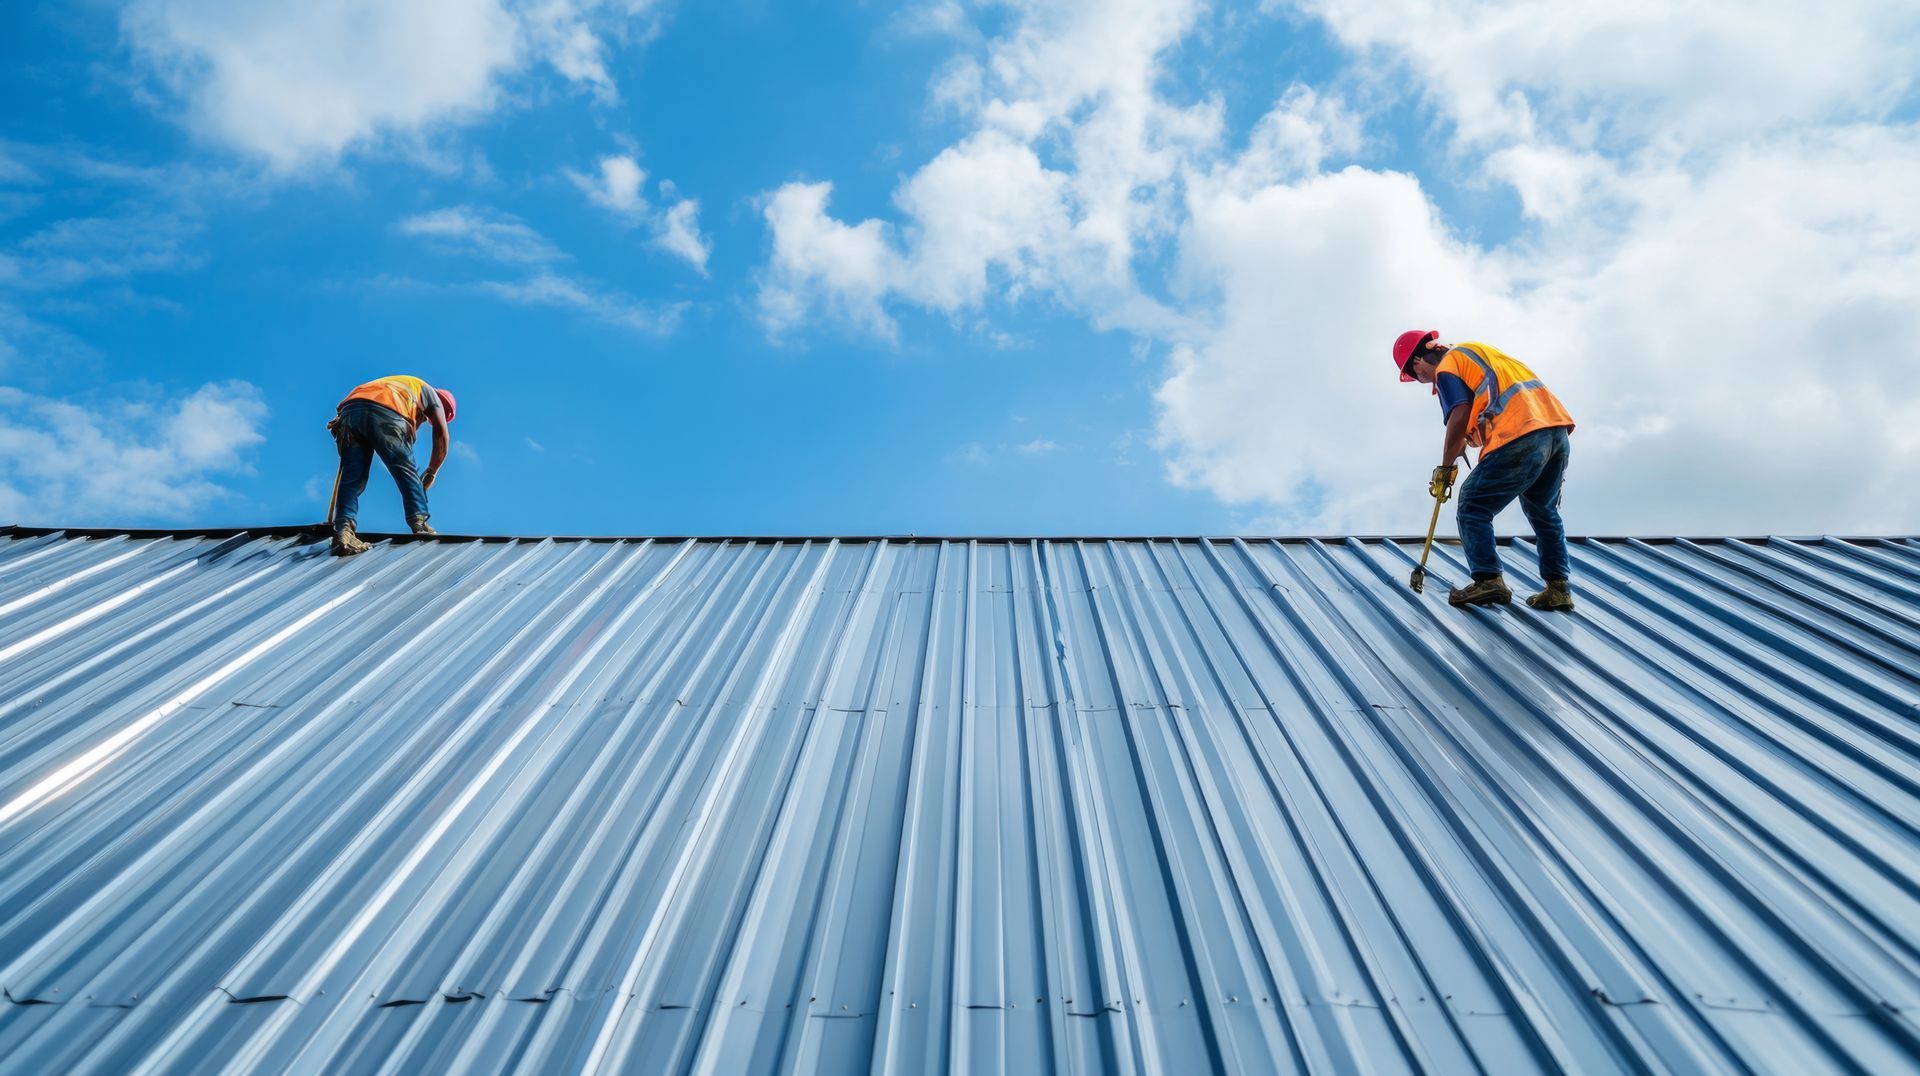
(446, 402)
(1417, 355)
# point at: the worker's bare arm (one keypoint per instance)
(437, 417)
(1455, 444)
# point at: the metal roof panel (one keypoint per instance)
(1017, 804)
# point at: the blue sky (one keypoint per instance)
(1125, 267)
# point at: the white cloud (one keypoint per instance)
(71, 252)
(984, 204)
(318, 490)
(1715, 270)
(819, 262)
(619, 187)
(1286, 399)
(551, 289)
(488, 233)
(1632, 72)
(1066, 171)
(680, 234)
(1695, 267)
(979, 454)
(121, 460)
(298, 83)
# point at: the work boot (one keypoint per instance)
(345, 542)
(1481, 592)
(1558, 595)
(421, 526)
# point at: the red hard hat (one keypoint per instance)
(1405, 345)
(446, 401)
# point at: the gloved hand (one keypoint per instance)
(1442, 485)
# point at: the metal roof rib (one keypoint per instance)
(909, 804)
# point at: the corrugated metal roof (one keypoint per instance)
(1024, 805)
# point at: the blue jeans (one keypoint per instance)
(367, 429)
(1531, 468)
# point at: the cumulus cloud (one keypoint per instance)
(1714, 268)
(117, 460)
(1715, 295)
(488, 233)
(298, 83)
(619, 188)
(1629, 74)
(1266, 405)
(1065, 173)
(818, 262)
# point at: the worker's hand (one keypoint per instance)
(426, 480)
(1442, 485)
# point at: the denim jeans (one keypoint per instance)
(367, 429)
(1531, 468)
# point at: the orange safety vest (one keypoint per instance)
(1508, 400)
(399, 393)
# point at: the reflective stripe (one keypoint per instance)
(1499, 403)
(1480, 361)
(1489, 380)
(1509, 401)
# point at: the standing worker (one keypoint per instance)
(381, 417)
(1493, 402)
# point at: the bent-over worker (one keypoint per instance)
(380, 418)
(1495, 403)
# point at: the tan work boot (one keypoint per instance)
(345, 542)
(1558, 595)
(421, 526)
(1482, 592)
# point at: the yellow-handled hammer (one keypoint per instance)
(1441, 487)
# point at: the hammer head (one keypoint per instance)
(1419, 580)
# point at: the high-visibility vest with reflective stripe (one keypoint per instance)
(400, 393)
(1508, 400)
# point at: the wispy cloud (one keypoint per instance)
(973, 452)
(568, 293)
(487, 233)
(73, 252)
(123, 222)
(976, 453)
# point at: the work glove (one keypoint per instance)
(1442, 485)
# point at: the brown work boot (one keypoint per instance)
(421, 526)
(345, 542)
(1481, 592)
(1558, 595)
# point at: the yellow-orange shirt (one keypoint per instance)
(400, 393)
